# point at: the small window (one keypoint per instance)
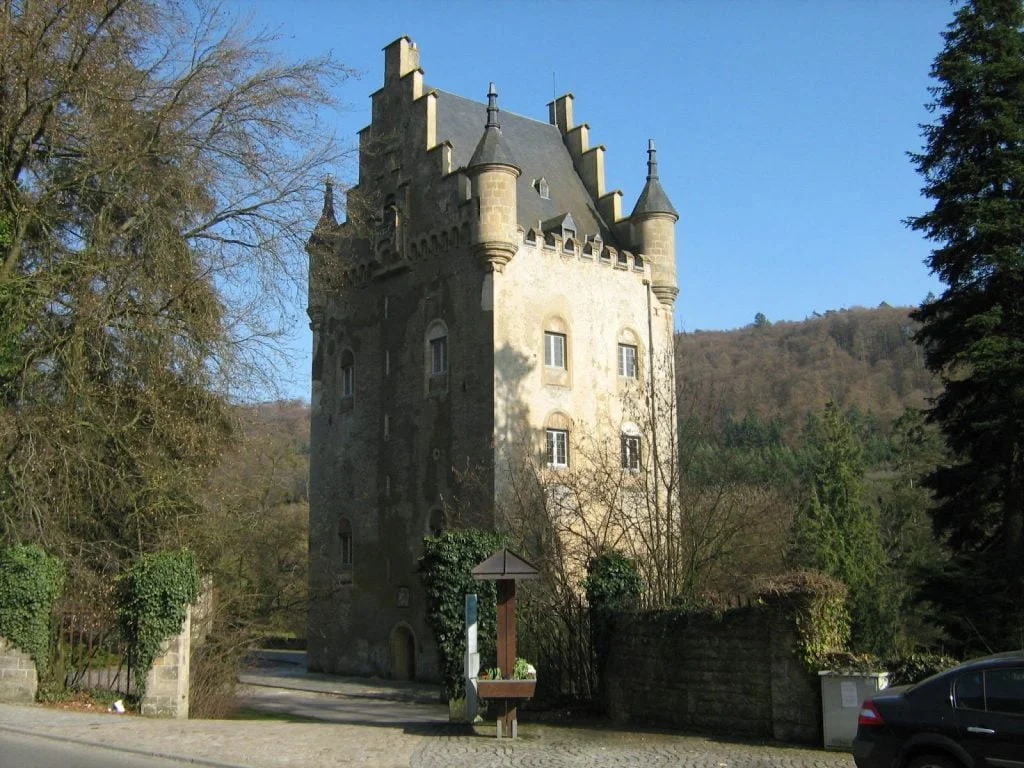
(627, 361)
(348, 370)
(558, 447)
(345, 543)
(554, 350)
(439, 356)
(630, 450)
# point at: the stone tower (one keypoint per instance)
(484, 299)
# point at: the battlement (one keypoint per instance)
(589, 250)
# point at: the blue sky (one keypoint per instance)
(782, 125)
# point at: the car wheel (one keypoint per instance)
(932, 761)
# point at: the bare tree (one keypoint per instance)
(159, 170)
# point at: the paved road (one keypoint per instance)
(380, 724)
(19, 751)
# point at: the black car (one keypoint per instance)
(971, 716)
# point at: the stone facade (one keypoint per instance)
(739, 673)
(167, 682)
(18, 679)
(471, 237)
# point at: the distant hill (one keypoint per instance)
(863, 358)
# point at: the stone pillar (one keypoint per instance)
(18, 679)
(167, 681)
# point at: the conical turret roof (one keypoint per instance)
(653, 198)
(327, 218)
(492, 148)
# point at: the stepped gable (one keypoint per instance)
(539, 152)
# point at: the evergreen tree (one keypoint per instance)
(836, 532)
(973, 334)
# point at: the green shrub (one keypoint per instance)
(30, 582)
(817, 604)
(446, 570)
(915, 667)
(154, 596)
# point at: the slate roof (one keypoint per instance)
(537, 150)
(653, 198)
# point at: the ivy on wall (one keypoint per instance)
(817, 604)
(30, 582)
(154, 596)
(446, 570)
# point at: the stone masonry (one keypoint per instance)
(738, 673)
(167, 683)
(474, 309)
(18, 679)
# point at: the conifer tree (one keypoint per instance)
(973, 334)
(837, 532)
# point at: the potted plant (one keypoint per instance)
(492, 684)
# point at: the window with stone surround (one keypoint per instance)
(554, 350)
(436, 357)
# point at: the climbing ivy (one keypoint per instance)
(817, 604)
(154, 596)
(30, 582)
(446, 570)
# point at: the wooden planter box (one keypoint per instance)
(506, 689)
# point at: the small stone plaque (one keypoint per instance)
(403, 597)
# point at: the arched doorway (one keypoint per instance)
(403, 653)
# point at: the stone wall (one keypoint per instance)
(18, 680)
(738, 673)
(167, 680)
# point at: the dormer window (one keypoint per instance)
(541, 185)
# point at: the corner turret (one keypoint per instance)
(654, 219)
(493, 173)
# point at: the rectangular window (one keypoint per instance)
(346, 550)
(439, 356)
(631, 453)
(627, 361)
(554, 350)
(347, 380)
(558, 447)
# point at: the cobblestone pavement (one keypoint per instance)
(543, 745)
(386, 725)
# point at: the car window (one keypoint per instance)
(969, 691)
(1004, 691)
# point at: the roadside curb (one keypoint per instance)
(118, 748)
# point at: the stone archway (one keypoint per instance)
(403, 653)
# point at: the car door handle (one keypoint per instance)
(975, 729)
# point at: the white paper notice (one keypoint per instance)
(849, 692)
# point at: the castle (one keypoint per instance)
(485, 296)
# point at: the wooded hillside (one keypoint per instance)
(860, 358)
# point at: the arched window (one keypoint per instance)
(348, 373)
(345, 543)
